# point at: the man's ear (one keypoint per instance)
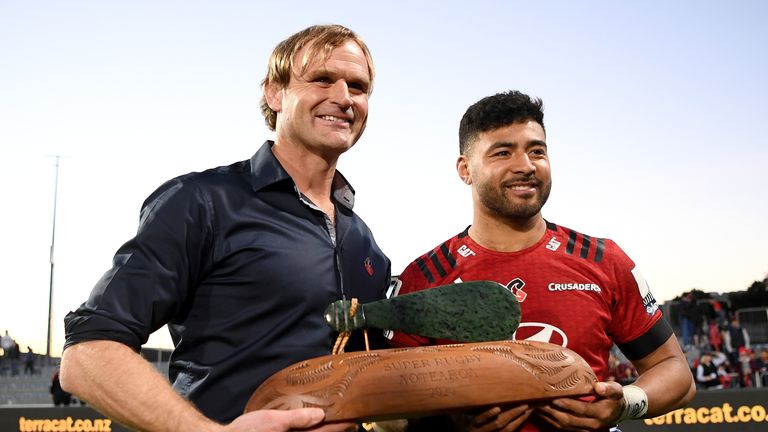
(462, 167)
(273, 94)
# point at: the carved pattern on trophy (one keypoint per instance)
(355, 365)
(308, 377)
(571, 381)
(286, 401)
(543, 363)
(450, 346)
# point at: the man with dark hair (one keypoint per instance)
(240, 261)
(574, 290)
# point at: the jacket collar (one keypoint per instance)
(266, 170)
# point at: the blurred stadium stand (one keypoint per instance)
(34, 390)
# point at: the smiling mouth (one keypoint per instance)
(521, 190)
(521, 187)
(335, 119)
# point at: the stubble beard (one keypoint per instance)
(496, 201)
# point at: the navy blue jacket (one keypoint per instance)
(241, 267)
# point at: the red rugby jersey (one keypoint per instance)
(574, 290)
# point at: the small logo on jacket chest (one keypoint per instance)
(368, 266)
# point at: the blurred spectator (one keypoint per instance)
(686, 318)
(692, 355)
(629, 375)
(726, 376)
(724, 370)
(60, 397)
(6, 343)
(735, 338)
(761, 367)
(699, 323)
(614, 368)
(14, 355)
(715, 337)
(719, 358)
(719, 310)
(745, 359)
(29, 361)
(621, 372)
(707, 373)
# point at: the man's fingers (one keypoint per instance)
(561, 420)
(515, 417)
(546, 417)
(278, 420)
(579, 414)
(584, 417)
(504, 419)
(513, 413)
(485, 416)
(303, 418)
(609, 390)
(569, 405)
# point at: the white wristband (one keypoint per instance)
(635, 403)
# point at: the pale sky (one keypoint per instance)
(655, 113)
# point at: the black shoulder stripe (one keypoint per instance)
(571, 242)
(423, 267)
(464, 233)
(599, 251)
(649, 342)
(585, 244)
(448, 256)
(436, 262)
(550, 225)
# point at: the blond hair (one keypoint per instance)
(320, 40)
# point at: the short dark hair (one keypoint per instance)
(499, 110)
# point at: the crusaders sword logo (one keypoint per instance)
(516, 287)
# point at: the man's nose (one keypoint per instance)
(521, 163)
(340, 94)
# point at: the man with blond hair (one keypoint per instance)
(240, 261)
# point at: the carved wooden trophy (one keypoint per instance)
(412, 382)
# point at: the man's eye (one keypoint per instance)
(357, 87)
(501, 153)
(322, 80)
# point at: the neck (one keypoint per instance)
(506, 235)
(311, 173)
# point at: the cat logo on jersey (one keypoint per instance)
(553, 244)
(516, 287)
(465, 251)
